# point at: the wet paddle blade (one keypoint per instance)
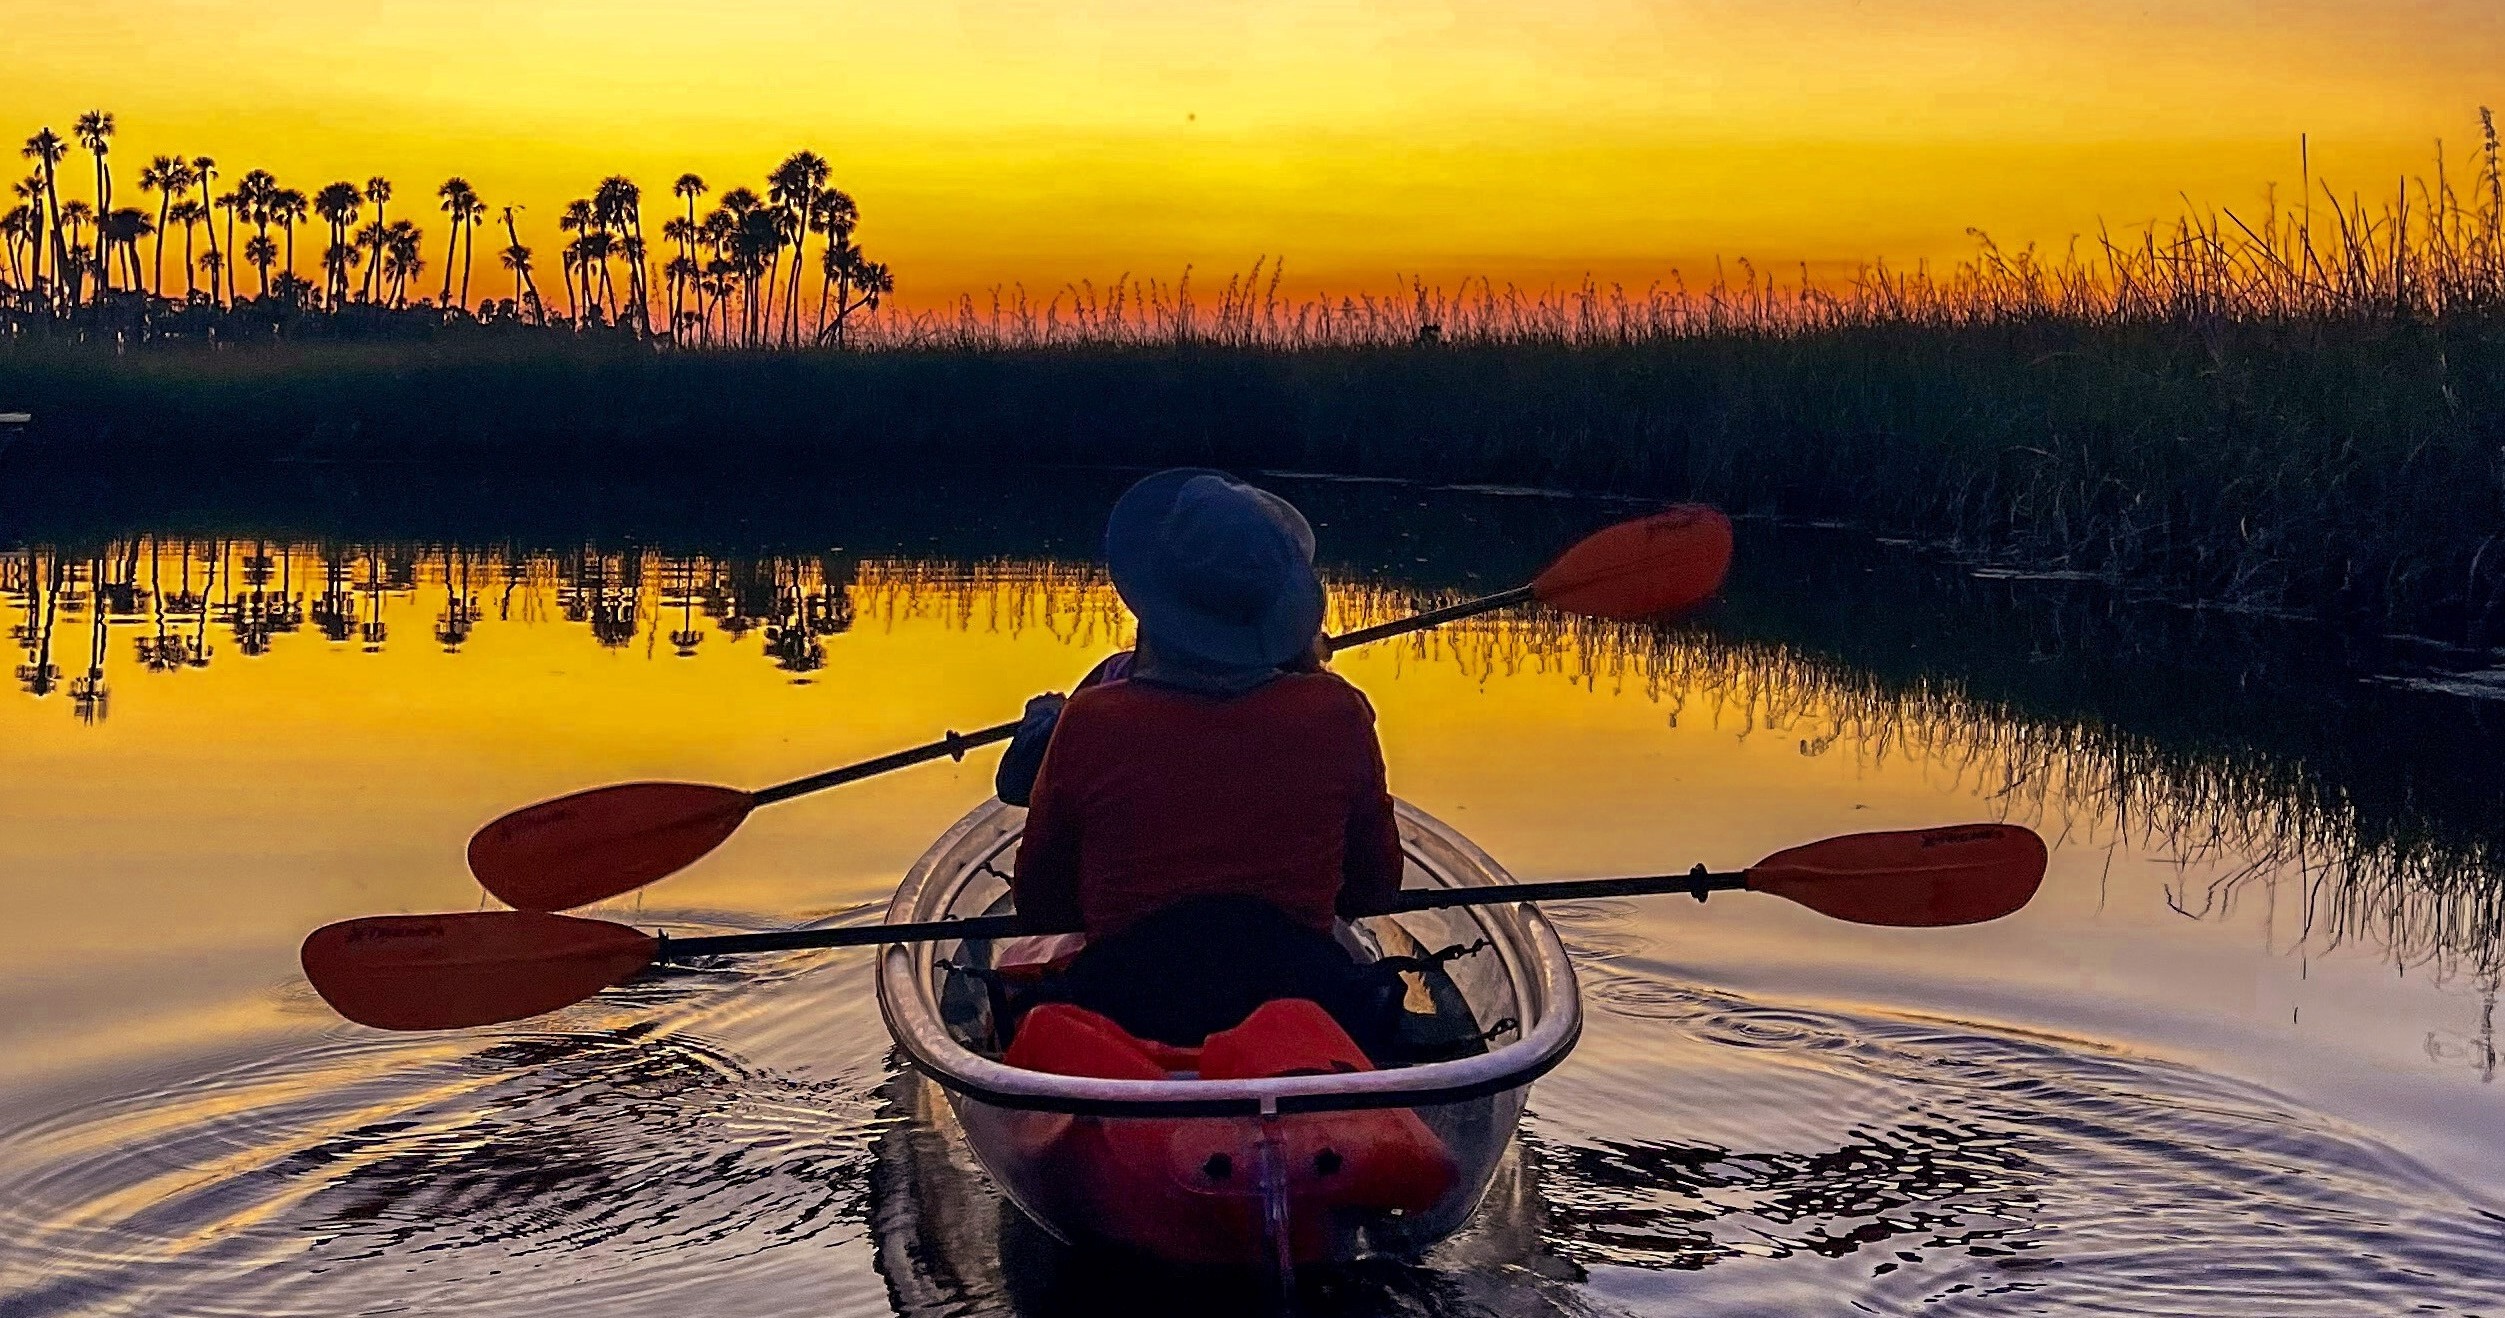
(447, 972)
(1919, 878)
(1662, 564)
(590, 846)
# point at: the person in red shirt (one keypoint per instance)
(1207, 812)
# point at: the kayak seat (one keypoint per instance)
(1290, 1036)
(1287, 1037)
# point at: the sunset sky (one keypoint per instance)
(991, 141)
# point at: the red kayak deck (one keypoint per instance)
(1204, 1191)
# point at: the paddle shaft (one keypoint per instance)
(956, 744)
(1698, 882)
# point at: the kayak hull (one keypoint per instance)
(1282, 1171)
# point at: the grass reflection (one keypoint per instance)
(2355, 815)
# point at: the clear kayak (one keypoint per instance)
(1269, 1171)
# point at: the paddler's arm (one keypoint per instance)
(1014, 781)
(1045, 886)
(1370, 871)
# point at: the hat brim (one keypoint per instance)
(1133, 540)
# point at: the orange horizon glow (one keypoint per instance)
(997, 143)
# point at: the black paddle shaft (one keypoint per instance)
(1698, 882)
(956, 744)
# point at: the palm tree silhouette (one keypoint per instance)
(578, 220)
(794, 185)
(168, 177)
(73, 220)
(734, 252)
(834, 214)
(517, 259)
(95, 132)
(286, 207)
(263, 254)
(688, 187)
(118, 235)
(401, 258)
(378, 191)
(255, 193)
(186, 213)
(47, 150)
(618, 204)
(16, 228)
(212, 263)
(860, 283)
(461, 204)
(203, 174)
(229, 201)
(338, 204)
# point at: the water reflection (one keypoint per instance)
(1728, 1138)
(2304, 808)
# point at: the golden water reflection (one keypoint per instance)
(2242, 828)
(2244, 951)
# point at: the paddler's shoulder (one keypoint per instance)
(1323, 691)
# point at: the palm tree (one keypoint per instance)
(47, 150)
(794, 185)
(400, 255)
(378, 191)
(339, 205)
(18, 226)
(212, 262)
(229, 201)
(255, 193)
(517, 259)
(262, 253)
(618, 204)
(470, 218)
(580, 220)
(73, 224)
(203, 174)
(369, 242)
(718, 227)
(187, 211)
(834, 215)
(287, 206)
(754, 239)
(168, 177)
(459, 201)
(95, 131)
(859, 283)
(29, 192)
(117, 236)
(688, 187)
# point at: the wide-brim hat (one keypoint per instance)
(1216, 570)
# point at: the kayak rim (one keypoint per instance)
(1534, 956)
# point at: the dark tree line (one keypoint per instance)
(736, 274)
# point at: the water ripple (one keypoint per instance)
(2015, 1171)
(737, 1141)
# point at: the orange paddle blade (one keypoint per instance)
(445, 972)
(579, 849)
(1651, 566)
(1919, 878)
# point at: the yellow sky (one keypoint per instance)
(1001, 140)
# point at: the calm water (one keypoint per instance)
(2239, 1057)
